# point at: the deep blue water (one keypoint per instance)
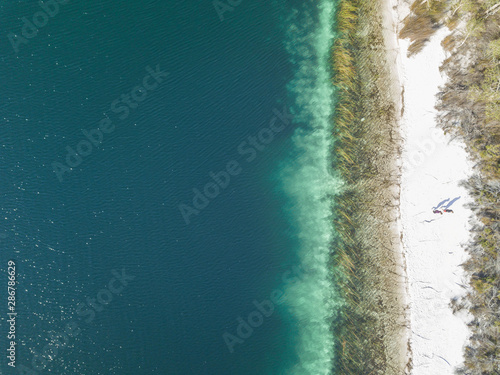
(119, 208)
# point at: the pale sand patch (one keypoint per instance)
(390, 24)
(433, 165)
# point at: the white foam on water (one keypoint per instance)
(309, 184)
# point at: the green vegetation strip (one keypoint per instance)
(367, 141)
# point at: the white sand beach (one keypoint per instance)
(433, 165)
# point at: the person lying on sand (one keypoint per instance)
(448, 211)
(436, 212)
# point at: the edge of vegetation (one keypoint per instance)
(369, 329)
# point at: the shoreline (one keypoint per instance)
(373, 335)
(390, 34)
(433, 165)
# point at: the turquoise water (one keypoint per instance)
(310, 184)
(262, 237)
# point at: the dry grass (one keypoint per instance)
(366, 143)
(425, 18)
(469, 107)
